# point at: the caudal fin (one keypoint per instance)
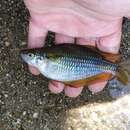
(123, 74)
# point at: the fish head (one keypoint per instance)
(33, 57)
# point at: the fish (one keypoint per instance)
(76, 65)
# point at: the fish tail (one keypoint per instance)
(123, 73)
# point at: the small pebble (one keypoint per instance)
(18, 121)
(35, 115)
(12, 85)
(24, 113)
(23, 43)
(94, 116)
(7, 75)
(7, 44)
(6, 95)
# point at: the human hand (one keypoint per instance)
(89, 21)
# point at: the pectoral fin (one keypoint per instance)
(92, 80)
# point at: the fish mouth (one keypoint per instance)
(24, 57)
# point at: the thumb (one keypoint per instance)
(110, 43)
(36, 38)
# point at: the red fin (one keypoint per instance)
(111, 57)
(92, 80)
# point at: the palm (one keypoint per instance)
(69, 25)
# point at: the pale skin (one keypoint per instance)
(90, 22)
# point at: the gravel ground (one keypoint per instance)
(26, 103)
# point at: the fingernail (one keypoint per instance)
(95, 88)
(72, 92)
(56, 87)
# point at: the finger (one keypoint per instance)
(56, 87)
(95, 88)
(60, 38)
(87, 41)
(36, 38)
(33, 70)
(110, 43)
(72, 92)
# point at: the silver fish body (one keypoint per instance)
(68, 62)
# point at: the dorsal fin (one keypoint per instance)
(115, 58)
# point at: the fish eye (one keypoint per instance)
(30, 54)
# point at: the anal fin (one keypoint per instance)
(91, 80)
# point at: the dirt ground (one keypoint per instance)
(27, 104)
